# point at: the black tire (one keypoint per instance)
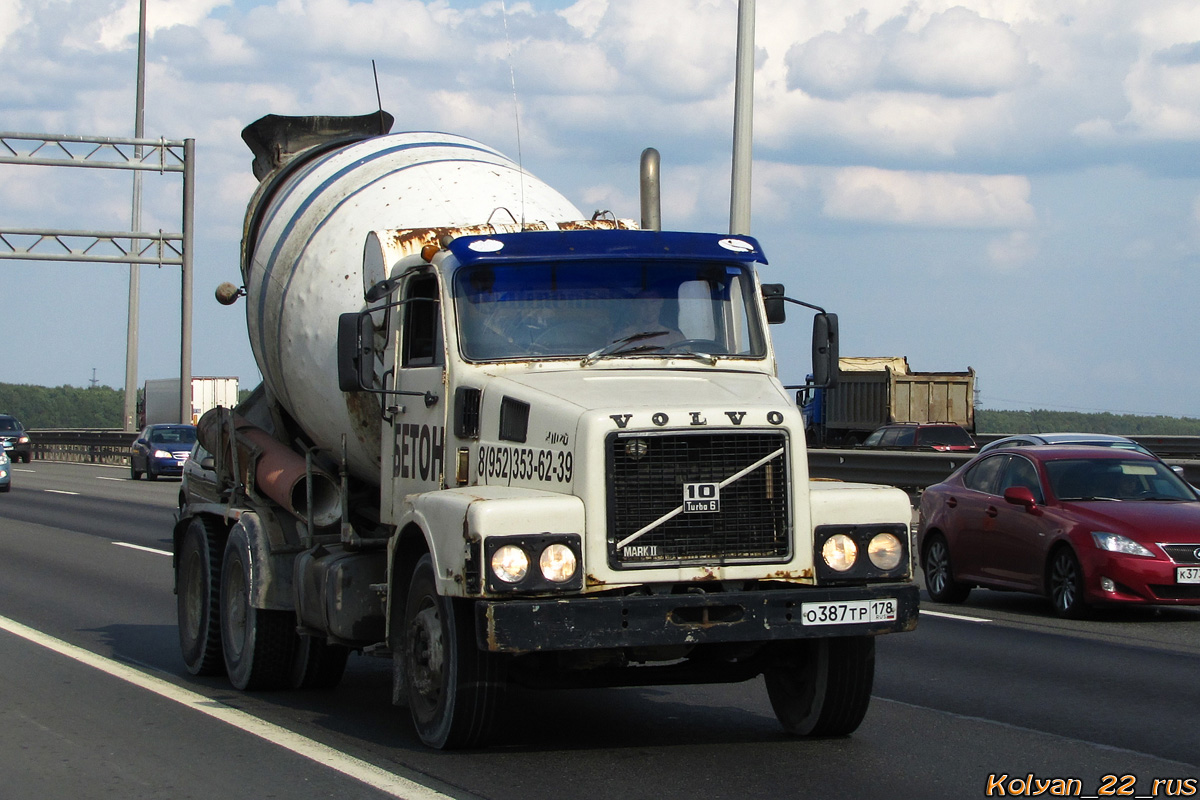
(258, 644)
(151, 475)
(25, 458)
(939, 574)
(454, 688)
(198, 596)
(317, 665)
(133, 473)
(1064, 584)
(822, 687)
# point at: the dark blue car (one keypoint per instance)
(161, 450)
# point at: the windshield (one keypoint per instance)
(173, 436)
(1115, 479)
(606, 309)
(945, 436)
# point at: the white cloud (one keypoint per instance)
(959, 53)
(675, 48)
(942, 200)
(118, 29)
(955, 53)
(836, 65)
(1012, 251)
(585, 15)
(13, 16)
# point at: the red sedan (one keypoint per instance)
(1080, 525)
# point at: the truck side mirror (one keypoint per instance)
(355, 356)
(825, 350)
(773, 302)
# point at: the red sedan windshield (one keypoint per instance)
(1113, 479)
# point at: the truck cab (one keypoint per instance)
(586, 439)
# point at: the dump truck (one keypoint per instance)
(873, 391)
(504, 445)
(160, 399)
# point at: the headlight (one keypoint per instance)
(885, 551)
(23, 440)
(839, 552)
(557, 563)
(162, 454)
(534, 563)
(510, 564)
(1116, 543)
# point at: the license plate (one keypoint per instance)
(849, 612)
(1187, 574)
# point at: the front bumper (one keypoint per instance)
(1137, 581)
(166, 466)
(588, 623)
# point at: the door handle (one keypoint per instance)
(952, 502)
(992, 511)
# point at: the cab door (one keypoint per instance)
(418, 410)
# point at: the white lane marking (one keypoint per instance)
(58, 491)
(106, 478)
(140, 547)
(963, 617)
(362, 771)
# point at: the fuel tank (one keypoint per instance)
(325, 182)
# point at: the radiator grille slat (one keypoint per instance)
(647, 473)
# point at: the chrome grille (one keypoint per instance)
(647, 475)
(1182, 553)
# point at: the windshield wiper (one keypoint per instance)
(618, 346)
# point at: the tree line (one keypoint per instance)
(1044, 421)
(102, 407)
(67, 407)
(63, 406)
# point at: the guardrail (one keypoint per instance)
(909, 470)
(92, 446)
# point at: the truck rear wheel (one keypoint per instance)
(822, 687)
(454, 688)
(318, 665)
(198, 596)
(258, 644)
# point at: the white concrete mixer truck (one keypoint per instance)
(501, 445)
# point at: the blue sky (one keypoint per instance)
(1012, 185)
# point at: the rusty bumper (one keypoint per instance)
(585, 623)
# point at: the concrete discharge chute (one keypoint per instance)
(268, 467)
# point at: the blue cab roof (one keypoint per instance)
(578, 245)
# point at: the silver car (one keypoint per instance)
(1093, 439)
(5, 472)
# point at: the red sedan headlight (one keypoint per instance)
(1116, 543)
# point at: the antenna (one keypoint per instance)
(378, 99)
(512, 75)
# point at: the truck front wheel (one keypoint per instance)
(454, 688)
(198, 593)
(259, 644)
(822, 687)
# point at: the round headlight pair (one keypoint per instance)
(884, 550)
(511, 563)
